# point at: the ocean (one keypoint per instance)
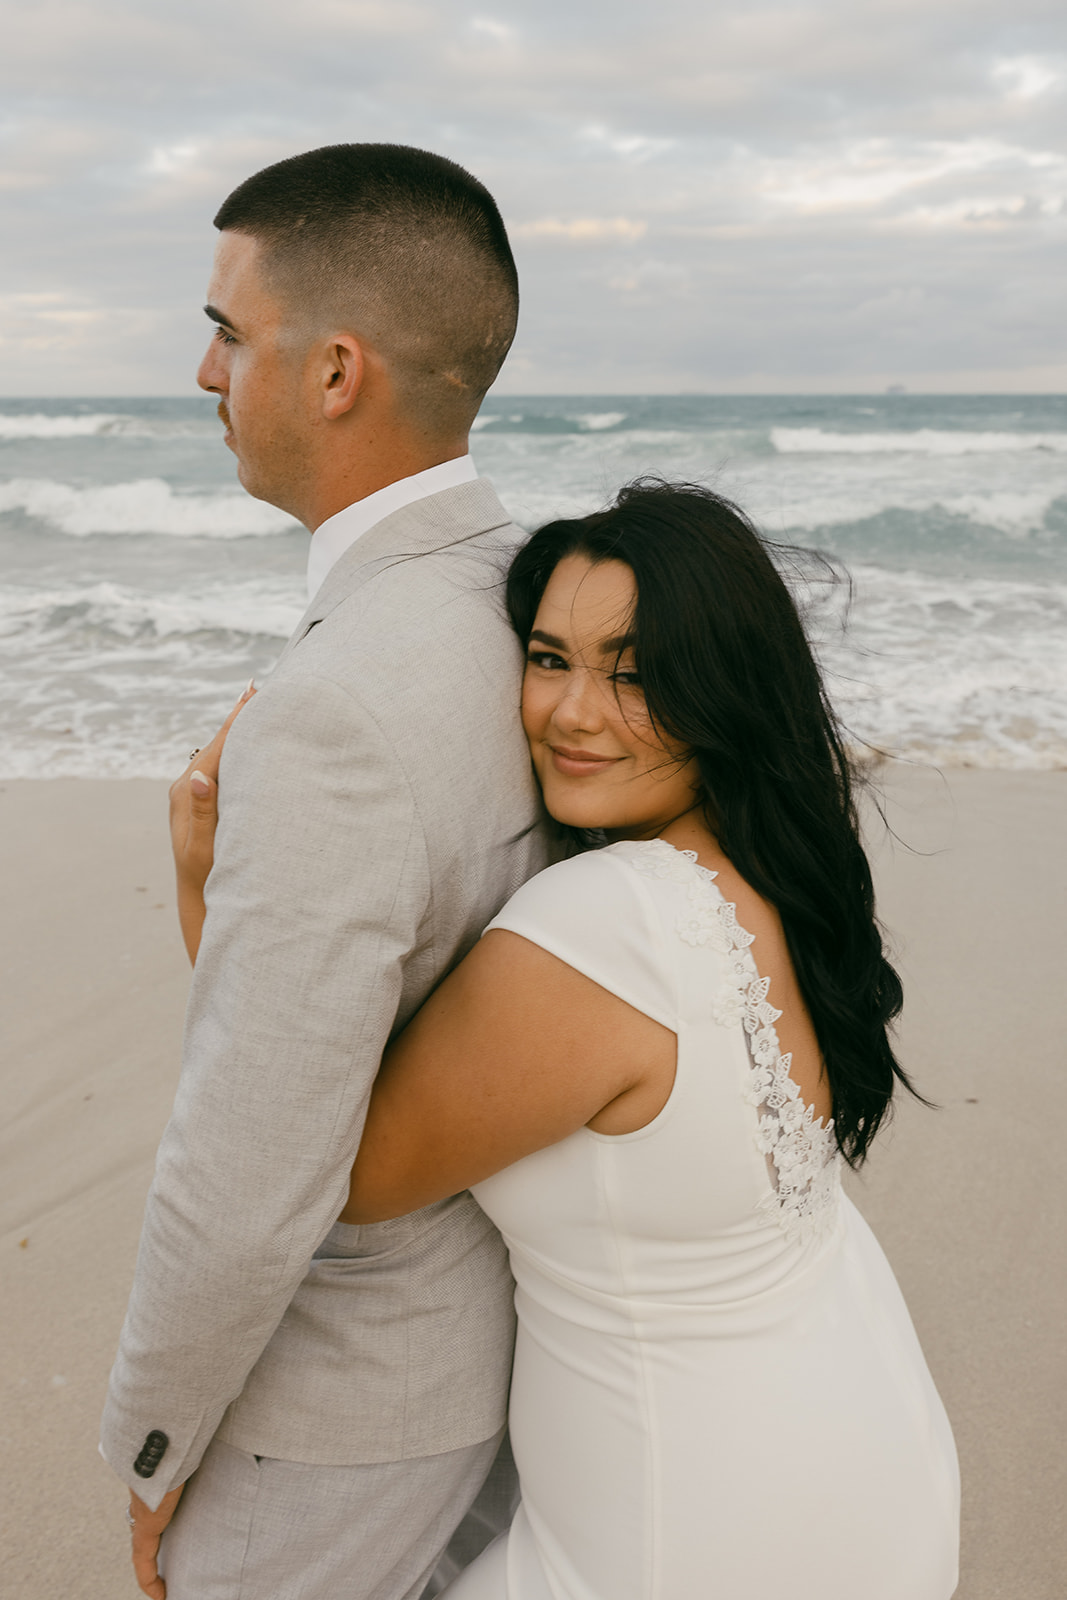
(140, 587)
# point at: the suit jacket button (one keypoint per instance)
(152, 1453)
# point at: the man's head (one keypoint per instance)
(389, 263)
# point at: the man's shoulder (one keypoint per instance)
(437, 607)
(461, 536)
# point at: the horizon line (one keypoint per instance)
(894, 392)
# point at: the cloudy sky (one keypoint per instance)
(762, 196)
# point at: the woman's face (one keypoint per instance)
(600, 760)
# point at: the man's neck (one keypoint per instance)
(367, 470)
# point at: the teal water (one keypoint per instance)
(140, 587)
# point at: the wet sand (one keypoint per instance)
(968, 1200)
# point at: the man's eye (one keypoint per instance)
(223, 335)
(546, 660)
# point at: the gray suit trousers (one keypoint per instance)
(251, 1528)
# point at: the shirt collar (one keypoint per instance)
(340, 532)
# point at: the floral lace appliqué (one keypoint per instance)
(801, 1151)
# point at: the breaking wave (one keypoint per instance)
(145, 506)
(921, 441)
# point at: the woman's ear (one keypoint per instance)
(343, 375)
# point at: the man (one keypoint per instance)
(336, 1395)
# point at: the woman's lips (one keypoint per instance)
(580, 763)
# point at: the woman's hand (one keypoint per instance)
(194, 815)
(146, 1530)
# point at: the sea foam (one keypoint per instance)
(90, 617)
(119, 654)
(37, 426)
(146, 506)
(921, 441)
(100, 425)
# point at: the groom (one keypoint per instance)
(316, 1406)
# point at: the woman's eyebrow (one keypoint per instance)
(607, 647)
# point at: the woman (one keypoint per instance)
(650, 1070)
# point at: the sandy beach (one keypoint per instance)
(967, 1200)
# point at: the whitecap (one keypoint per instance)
(922, 441)
(598, 421)
(962, 671)
(145, 506)
(38, 426)
(98, 424)
(83, 616)
(1014, 513)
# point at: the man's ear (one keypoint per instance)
(343, 375)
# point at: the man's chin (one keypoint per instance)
(248, 481)
(257, 488)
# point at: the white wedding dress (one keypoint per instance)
(718, 1392)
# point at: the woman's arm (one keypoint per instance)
(515, 1051)
(194, 815)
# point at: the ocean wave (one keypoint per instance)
(950, 521)
(549, 422)
(922, 441)
(145, 506)
(964, 672)
(98, 424)
(106, 681)
(92, 617)
(111, 680)
(599, 421)
(38, 426)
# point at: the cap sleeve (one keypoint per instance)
(596, 914)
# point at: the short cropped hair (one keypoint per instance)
(397, 245)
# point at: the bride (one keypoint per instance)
(650, 1071)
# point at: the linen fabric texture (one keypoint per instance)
(254, 1527)
(376, 807)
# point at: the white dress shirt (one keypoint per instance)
(339, 532)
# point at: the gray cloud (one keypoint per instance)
(780, 196)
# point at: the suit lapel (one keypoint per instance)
(447, 518)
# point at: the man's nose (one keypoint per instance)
(211, 373)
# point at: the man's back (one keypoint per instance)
(448, 827)
(377, 807)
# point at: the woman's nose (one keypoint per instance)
(580, 708)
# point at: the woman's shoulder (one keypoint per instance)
(598, 912)
(613, 871)
(618, 870)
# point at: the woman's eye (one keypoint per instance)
(628, 680)
(546, 660)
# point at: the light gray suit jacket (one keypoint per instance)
(376, 809)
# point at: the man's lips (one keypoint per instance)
(224, 415)
(580, 763)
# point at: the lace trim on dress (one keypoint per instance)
(801, 1152)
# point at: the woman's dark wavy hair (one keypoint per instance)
(726, 668)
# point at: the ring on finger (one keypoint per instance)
(194, 753)
(131, 1520)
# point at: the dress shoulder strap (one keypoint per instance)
(595, 914)
(800, 1150)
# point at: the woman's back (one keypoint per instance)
(717, 1387)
